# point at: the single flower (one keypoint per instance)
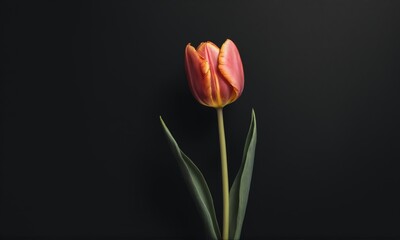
(215, 75)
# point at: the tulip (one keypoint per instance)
(216, 79)
(215, 75)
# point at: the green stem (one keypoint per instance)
(225, 179)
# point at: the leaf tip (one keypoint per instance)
(253, 114)
(162, 120)
(164, 126)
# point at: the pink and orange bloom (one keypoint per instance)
(215, 75)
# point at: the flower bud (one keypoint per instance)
(215, 75)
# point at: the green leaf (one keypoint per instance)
(197, 184)
(239, 192)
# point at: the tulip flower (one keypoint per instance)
(216, 79)
(215, 75)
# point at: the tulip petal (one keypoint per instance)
(209, 51)
(198, 74)
(230, 66)
(222, 90)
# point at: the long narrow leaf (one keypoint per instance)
(239, 193)
(197, 184)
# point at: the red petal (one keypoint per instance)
(221, 89)
(209, 51)
(230, 66)
(198, 74)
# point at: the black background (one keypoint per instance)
(83, 85)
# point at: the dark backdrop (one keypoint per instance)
(83, 85)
